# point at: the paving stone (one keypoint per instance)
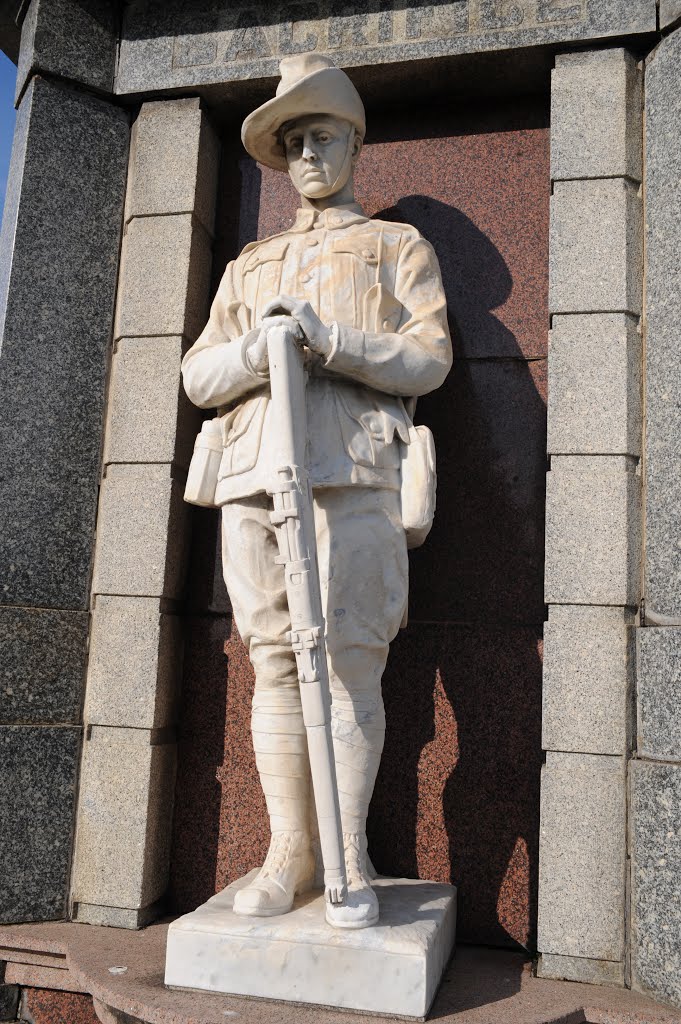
(658, 692)
(74, 39)
(181, 45)
(663, 301)
(579, 968)
(596, 247)
(582, 856)
(124, 818)
(164, 279)
(43, 653)
(593, 531)
(587, 691)
(60, 241)
(595, 385)
(149, 417)
(134, 665)
(655, 873)
(174, 161)
(141, 533)
(596, 115)
(39, 770)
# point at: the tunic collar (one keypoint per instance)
(335, 217)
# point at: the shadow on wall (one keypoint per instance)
(458, 791)
(457, 796)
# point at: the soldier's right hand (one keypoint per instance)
(256, 351)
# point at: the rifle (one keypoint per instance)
(293, 520)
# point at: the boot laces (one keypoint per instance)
(277, 855)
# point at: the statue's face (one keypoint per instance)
(316, 147)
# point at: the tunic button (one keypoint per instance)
(368, 254)
(305, 278)
(313, 241)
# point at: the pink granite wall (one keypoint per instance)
(458, 793)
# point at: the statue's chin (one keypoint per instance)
(317, 190)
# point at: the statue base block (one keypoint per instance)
(393, 967)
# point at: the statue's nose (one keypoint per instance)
(309, 153)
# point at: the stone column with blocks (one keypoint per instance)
(128, 768)
(593, 529)
(59, 250)
(655, 779)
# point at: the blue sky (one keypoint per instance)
(8, 75)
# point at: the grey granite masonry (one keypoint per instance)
(59, 246)
(176, 45)
(71, 39)
(658, 689)
(656, 870)
(43, 654)
(663, 302)
(37, 799)
(582, 856)
(596, 113)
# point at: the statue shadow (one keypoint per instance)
(457, 797)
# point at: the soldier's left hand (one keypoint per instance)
(318, 335)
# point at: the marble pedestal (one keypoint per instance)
(393, 968)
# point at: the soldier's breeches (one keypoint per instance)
(364, 579)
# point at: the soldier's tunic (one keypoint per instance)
(379, 285)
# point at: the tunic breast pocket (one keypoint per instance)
(262, 273)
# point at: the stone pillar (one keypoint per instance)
(593, 512)
(656, 770)
(59, 252)
(128, 770)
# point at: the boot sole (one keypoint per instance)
(277, 911)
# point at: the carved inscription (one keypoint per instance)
(247, 32)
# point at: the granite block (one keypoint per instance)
(593, 531)
(580, 969)
(141, 533)
(655, 873)
(39, 768)
(45, 1006)
(174, 160)
(164, 279)
(149, 417)
(60, 241)
(596, 115)
(124, 817)
(663, 300)
(582, 856)
(595, 385)
(587, 693)
(135, 664)
(9, 1002)
(43, 653)
(670, 11)
(72, 39)
(116, 917)
(595, 262)
(658, 692)
(179, 45)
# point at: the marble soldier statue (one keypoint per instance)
(366, 298)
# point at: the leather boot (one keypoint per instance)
(280, 745)
(358, 727)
